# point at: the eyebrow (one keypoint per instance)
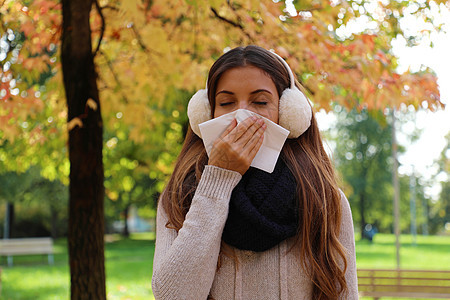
(225, 92)
(252, 93)
(260, 91)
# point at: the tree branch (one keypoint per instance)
(99, 10)
(139, 39)
(116, 78)
(309, 9)
(234, 24)
(141, 43)
(225, 19)
(110, 7)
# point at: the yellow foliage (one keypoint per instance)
(150, 48)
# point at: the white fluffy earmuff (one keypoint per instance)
(199, 110)
(294, 110)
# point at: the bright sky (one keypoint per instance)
(421, 155)
(435, 126)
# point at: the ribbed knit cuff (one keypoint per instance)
(217, 183)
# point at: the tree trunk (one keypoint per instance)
(362, 212)
(126, 231)
(54, 222)
(12, 217)
(9, 221)
(86, 190)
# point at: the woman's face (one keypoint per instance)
(248, 88)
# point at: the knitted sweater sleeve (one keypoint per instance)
(185, 263)
(347, 238)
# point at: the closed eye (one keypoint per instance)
(260, 102)
(225, 103)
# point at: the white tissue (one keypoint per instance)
(274, 137)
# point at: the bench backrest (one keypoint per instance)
(404, 282)
(26, 246)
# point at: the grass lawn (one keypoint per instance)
(128, 271)
(129, 265)
(430, 252)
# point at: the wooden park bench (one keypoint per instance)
(26, 246)
(379, 283)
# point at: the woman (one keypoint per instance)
(228, 231)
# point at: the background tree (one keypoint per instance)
(12, 186)
(174, 44)
(127, 179)
(363, 143)
(362, 156)
(86, 190)
(31, 205)
(421, 204)
(440, 209)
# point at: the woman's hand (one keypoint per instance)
(237, 146)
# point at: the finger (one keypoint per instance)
(220, 141)
(247, 136)
(230, 127)
(255, 146)
(254, 139)
(241, 128)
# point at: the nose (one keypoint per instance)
(243, 104)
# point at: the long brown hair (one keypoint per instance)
(319, 203)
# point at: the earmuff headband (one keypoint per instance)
(291, 74)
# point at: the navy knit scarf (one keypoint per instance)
(263, 209)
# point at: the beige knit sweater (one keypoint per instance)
(185, 264)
